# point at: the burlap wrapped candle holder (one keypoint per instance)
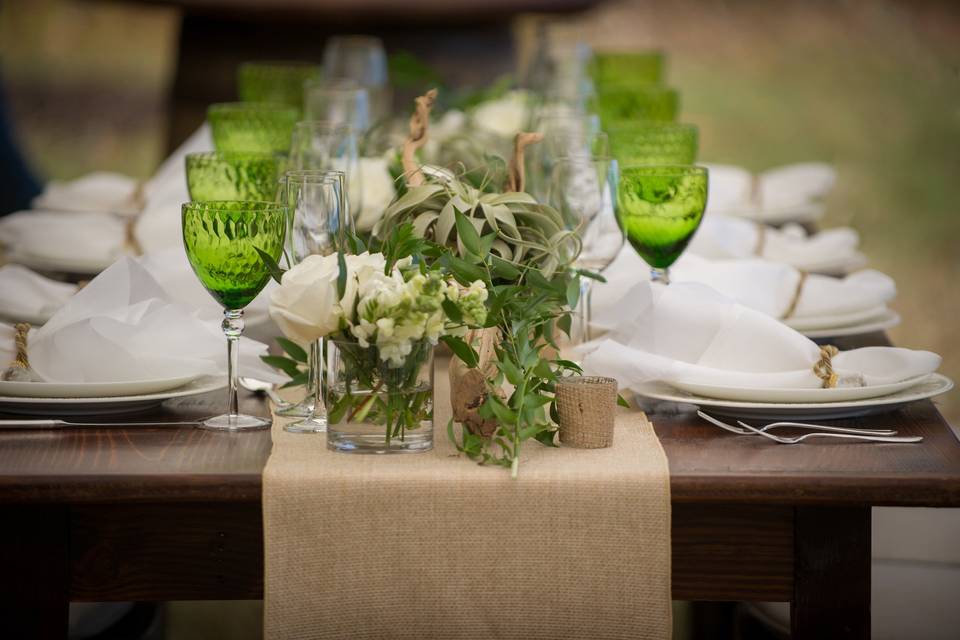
(587, 406)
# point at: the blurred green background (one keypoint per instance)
(873, 87)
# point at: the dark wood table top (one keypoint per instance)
(183, 464)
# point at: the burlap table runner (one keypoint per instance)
(433, 546)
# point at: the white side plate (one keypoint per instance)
(933, 386)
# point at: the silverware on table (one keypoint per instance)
(745, 429)
(827, 434)
(30, 423)
(260, 386)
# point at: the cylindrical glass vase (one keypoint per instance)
(376, 405)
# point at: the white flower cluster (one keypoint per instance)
(390, 311)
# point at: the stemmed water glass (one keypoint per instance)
(222, 240)
(219, 176)
(275, 81)
(319, 224)
(339, 102)
(659, 208)
(363, 60)
(582, 189)
(321, 145)
(660, 143)
(563, 137)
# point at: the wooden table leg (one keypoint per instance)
(34, 561)
(831, 573)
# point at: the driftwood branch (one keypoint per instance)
(515, 176)
(419, 124)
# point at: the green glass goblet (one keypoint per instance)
(276, 81)
(251, 127)
(659, 209)
(627, 68)
(233, 176)
(659, 104)
(222, 240)
(633, 143)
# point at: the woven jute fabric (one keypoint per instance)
(430, 545)
(587, 408)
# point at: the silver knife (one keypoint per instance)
(66, 424)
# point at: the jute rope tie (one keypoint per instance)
(796, 296)
(20, 342)
(761, 240)
(824, 366)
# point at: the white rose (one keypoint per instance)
(378, 191)
(504, 116)
(305, 306)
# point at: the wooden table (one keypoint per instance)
(174, 514)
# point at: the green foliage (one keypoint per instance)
(475, 225)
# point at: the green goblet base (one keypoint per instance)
(234, 422)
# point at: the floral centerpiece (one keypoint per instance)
(504, 374)
(381, 316)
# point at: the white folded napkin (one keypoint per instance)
(30, 297)
(101, 192)
(791, 190)
(768, 287)
(123, 327)
(726, 237)
(85, 239)
(690, 333)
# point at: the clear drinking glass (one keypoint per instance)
(659, 208)
(276, 81)
(221, 241)
(251, 127)
(318, 224)
(363, 60)
(568, 135)
(323, 145)
(237, 176)
(582, 189)
(662, 143)
(338, 102)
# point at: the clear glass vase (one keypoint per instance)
(376, 406)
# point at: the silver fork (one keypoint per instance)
(844, 436)
(748, 430)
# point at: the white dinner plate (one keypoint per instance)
(839, 394)
(74, 265)
(91, 389)
(837, 267)
(932, 386)
(880, 323)
(800, 212)
(835, 320)
(60, 407)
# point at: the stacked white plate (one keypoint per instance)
(811, 404)
(54, 399)
(856, 323)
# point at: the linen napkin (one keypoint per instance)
(688, 332)
(794, 190)
(28, 296)
(100, 191)
(768, 287)
(726, 237)
(124, 327)
(89, 241)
